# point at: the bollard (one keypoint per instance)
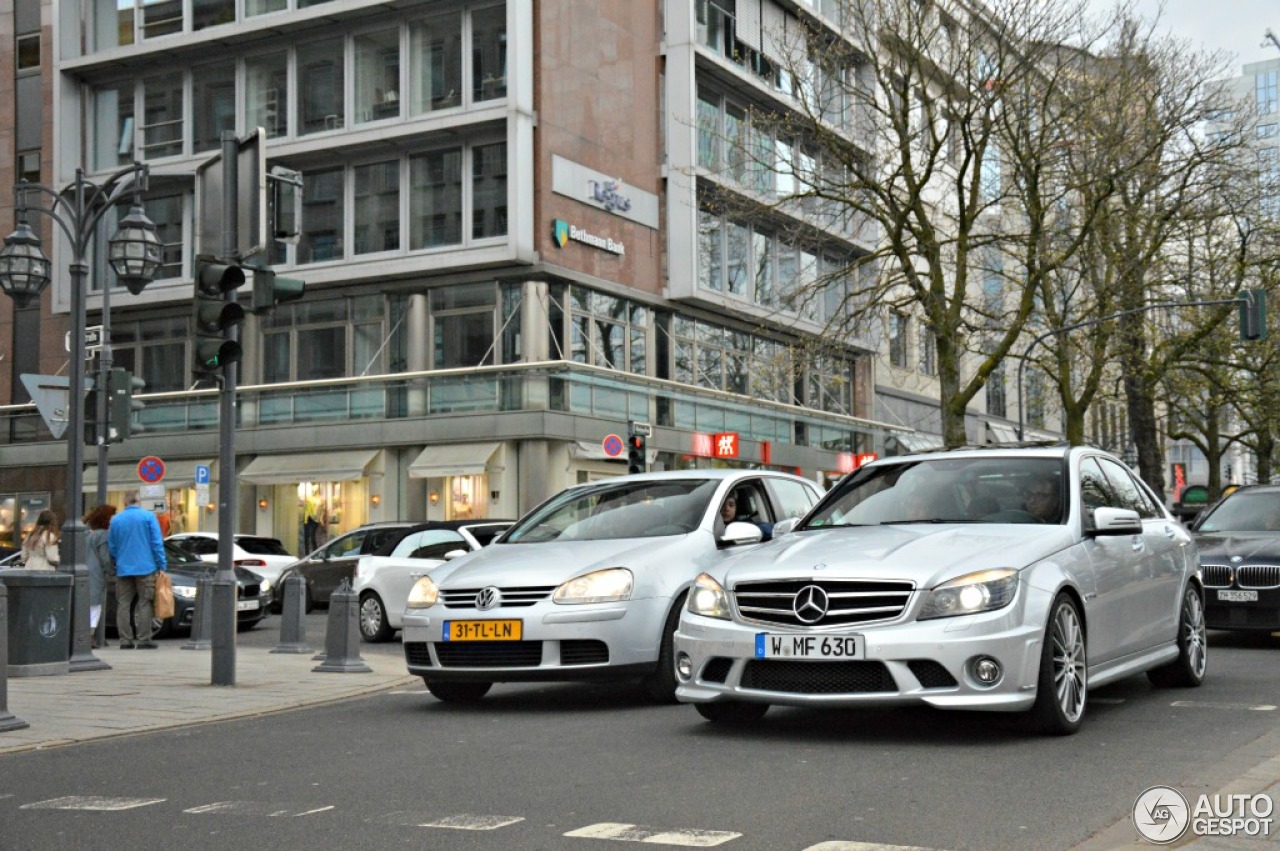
(7, 720)
(293, 626)
(342, 634)
(202, 620)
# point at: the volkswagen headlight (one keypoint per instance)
(600, 586)
(982, 591)
(423, 594)
(186, 592)
(707, 598)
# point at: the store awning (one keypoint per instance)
(1001, 433)
(453, 459)
(124, 476)
(916, 441)
(343, 466)
(592, 450)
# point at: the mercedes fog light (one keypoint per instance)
(986, 670)
(684, 666)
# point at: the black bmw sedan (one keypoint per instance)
(1239, 543)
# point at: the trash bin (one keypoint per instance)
(39, 622)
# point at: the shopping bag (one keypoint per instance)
(164, 596)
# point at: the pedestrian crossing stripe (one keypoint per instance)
(257, 808)
(90, 802)
(655, 836)
(458, 821)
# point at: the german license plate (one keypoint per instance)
(246, 605)
(771, 645)
(1237, 596)
(483, 630)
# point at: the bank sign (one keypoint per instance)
(562, 232)
(603, 191)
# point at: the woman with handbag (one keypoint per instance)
(102, 570)
(40, 549)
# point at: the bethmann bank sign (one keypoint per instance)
(562, 232)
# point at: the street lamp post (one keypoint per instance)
(134, 255)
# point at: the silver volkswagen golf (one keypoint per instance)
(589, 584)
(1007, 579)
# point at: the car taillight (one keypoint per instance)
(250, 562)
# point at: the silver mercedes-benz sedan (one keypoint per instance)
(1008, 579)
(589, 584)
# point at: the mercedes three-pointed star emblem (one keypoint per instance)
(810, 604)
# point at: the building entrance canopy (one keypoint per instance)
(453, 459)
(341, 466)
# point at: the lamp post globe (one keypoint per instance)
(24, 268)
(134, 251)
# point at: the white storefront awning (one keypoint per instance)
(916, 441)
(590, 450)
(1001, 433)
(453, 459)
(343, 466)
(124, 476)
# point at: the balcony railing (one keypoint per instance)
(547, 386)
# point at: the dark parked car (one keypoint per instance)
(1239, 542)
(325, 568)
(185, 570)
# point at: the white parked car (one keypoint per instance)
(588, 586)
(262, 555)
(1003, 579)
(383, 580)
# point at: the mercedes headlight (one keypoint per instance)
(983, 591)
(186, 592)
(423, 594)
(707, 598)
(265, 586)
(601, 586)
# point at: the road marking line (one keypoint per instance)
(838, 845)
(1198, 704)
(457, 821)
(91, 802)
(636, 833)
(1107, 701)
(254, 808)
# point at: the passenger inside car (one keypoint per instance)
(1043, 501)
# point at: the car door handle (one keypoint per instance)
(418, 575)
(1137, 543)
(1169, 533)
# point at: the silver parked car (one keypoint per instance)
(589, 584)
(995, 579)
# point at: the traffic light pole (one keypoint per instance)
(223, 671)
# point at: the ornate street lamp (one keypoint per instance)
(134, 254)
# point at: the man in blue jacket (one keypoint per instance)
(138, 551)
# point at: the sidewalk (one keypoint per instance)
(170, 687)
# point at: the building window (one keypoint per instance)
(308, 340)
(267, 93)
(1035, 400)
(161, 17)
(377, 207)
(462, 320)
(29, 166)
(322, 216)
(435, 214)
(1267, 92)
(708, 131)
(830, 384)
(377, 70)
(898, 327)
(320, 82)
(28, 52)
(710, 252)
(928, 351)
(995, 392)
(489, 190)
(211, 13)
(113, 131)
(162, 128)
(154, 350)
(435, 72)
(213, 96)
(608, 331)
(489, 54)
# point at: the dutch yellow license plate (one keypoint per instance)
(482, 630)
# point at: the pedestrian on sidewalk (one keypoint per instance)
(138, 552)
(102, 570)
(40, 549)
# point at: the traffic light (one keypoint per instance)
(91, 429)
(121, 405)
(213, 315)
(1253, 314)
(270, 289)
(637, 462)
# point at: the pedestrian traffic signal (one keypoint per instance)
(213, 315)
(1253, 314)
(122, 404)
(270, 289)
(92, 429)
(637, 460)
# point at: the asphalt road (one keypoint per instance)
(574, 766)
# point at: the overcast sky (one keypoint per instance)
(1235, 26)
